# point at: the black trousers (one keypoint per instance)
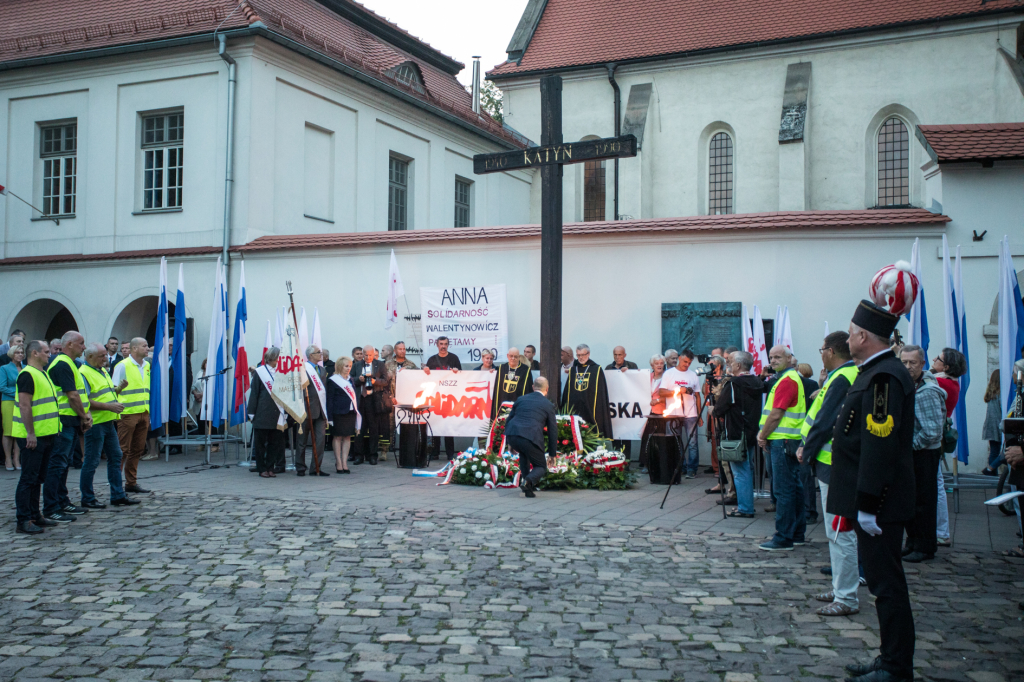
(883, 571)
(267, 448)
(449, 447)
(34, 465)
(532, 464)
(921, 531)
(374, 427)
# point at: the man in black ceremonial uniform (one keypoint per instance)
(873, 483)
(585, 392)
(513, 381)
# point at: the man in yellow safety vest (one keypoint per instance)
(75, 420)
(35, 427)
(781, 421)
(817, 447)
(131, 377)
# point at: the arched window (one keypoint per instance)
(408, 74)
(593, 191)
(720, 174)
(893, 163)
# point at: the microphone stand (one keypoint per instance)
(205, 379)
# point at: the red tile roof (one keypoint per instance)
(791, 220)
(976, 142)
(46, 28)
(784, 220)
(580, 32)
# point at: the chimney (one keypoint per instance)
(476, 84)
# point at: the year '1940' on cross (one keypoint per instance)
(550, 157)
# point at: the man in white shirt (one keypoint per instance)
(133, 427)
(680, 386)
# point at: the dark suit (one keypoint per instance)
(374, 420)
(524, 431)
(316, 423)
(268, 442)
(873, 472)
(117, 358)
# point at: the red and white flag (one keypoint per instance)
(395, 290)
(758, 348)
(3, 190)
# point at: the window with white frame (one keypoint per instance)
(893, 163)
(398, 194)
(462, 202)
(58, 150)
(163, 139)
(720, 200)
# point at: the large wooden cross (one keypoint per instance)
(550, 157)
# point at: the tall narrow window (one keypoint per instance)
(462, 188)
(59, 153)
(893, 164)
(720, 175)
(163, 138)
(593, 191)
(398, 194)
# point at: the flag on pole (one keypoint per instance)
(239, 357)
(960, 413)
(158, 388)
(1010, 323)
(213, 393)
(748, 337)
(777, 328)
(758, 349)
(826, 329)
(267, 343)
(317, 339)
(786, 337)
(947, 297)
(918, 315)
(395, 290)
(303, 332)
(279, 332)
(179, 373)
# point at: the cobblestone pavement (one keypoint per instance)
(206, 586)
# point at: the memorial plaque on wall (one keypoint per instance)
(701, 326)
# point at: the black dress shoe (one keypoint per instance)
(357, 460)
(124, 502)
(135, 489)
(93, 505)
(278, 470)
(906, 551)
(827, 570)
(300, 473)
(43, 522)
(323, 473)
(917, 557)
(373, 461)
(29, 528)
(881, 676)
(857, 669)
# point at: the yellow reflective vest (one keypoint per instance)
(63, 404)
(45, 419)
(135, 396)
(101, 390)
(850, 373)
(793, 420)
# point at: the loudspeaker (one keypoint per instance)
(412, 446)
(190, 336)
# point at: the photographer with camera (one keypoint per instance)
(738, 404)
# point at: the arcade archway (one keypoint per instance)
(45, 319)
(138, 318)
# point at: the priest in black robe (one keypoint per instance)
(513, 381)
(585, 392)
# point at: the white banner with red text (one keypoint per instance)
(472, 318)
(460, 402)
(629, 400)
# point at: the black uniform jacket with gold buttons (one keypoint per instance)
(872, 445)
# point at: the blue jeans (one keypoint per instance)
(790, 511)
(743, 479)
(102, 438)
(55, 490)
(692, 456)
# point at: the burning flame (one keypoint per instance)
(675, 403)
(426, 390)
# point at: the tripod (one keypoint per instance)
(691, 433)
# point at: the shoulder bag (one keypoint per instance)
(734, 450)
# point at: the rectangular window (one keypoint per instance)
(593, 191)
(59, 153)
(398, 194)
(462, 188)
(163, 138)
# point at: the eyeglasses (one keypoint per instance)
(822, 350)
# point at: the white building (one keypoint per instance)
(323, 119)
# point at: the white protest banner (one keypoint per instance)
(629, 399)
(473, 318)
(460, 401)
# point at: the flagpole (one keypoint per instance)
(305, 394)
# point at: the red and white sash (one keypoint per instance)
(346, 385)
(267, 378)
(321, 391)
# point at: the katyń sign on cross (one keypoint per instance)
(550, 157)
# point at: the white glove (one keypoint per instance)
(868, 523)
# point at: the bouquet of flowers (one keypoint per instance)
(470, 469)
(605, 469)
(562, 474)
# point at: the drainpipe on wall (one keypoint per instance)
(229, 180)
(618, 127)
